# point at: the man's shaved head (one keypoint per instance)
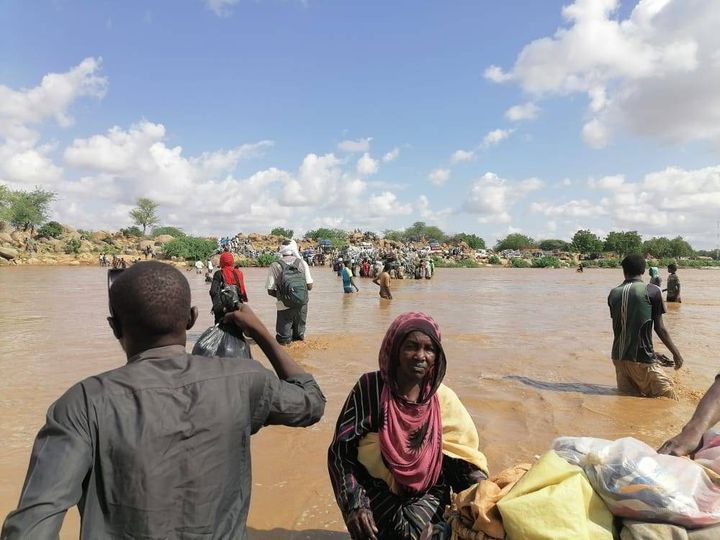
(152, 298)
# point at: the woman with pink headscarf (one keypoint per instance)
(403, 440)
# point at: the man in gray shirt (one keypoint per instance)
(160, 447)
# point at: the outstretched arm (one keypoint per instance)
(664, 336)
(706, 415)
(281, 361)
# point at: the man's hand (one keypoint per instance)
(686, 443)
(246, 320)
(678, 361)
(361, 525)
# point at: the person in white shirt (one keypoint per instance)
(291, 321)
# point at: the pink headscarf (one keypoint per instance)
(411, 433)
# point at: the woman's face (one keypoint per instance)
(416, 358)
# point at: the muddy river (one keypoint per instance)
(528, 353)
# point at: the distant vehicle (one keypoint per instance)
(325, 245)
(481, 254)
(434, 246)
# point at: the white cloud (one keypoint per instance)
(221, 8)
(51, 99)
(654, 73)
(386, 204)
(582, 208)
(491, 197)
(439, 177)
(460, 156)
(392, 155)
(367, 165)
(526, 111)
(355, 146)
(496, 136)
(496, 74)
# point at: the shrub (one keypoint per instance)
(172, 231)
(494, 259)
(519, 262)
(467, 263)
(546, 262)
(52, 229)
(72, 246)
(608, 263)
(281, 231)
(85, 234)
(266, 259)
(131, 231)
(190, 248)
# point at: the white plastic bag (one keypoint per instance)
(638, 483)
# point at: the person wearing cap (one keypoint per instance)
(291, 321)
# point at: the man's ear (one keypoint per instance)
(116, 327)
(193, 317)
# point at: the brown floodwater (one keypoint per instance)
(528, 354)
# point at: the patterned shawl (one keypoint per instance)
(411, 433)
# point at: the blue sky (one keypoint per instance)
(243, 115)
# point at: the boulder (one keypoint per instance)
(163, 239)
(86, 247)
(99, 236)
(57, 245)
(19, 236)
(33, 260)
(8, 253)
(5, 238)
(73, 235)
(68, 229)
(144, 244)
(74, 263)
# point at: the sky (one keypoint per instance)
(476, 116)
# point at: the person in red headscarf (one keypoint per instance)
(403, 440)
(227, 274)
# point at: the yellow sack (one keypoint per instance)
(554, 501)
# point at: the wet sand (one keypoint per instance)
(528, 353)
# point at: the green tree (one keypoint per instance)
(5, 201)
(585, 242)
(190, 248)
(515, 241)
(337, 237)
(420, 232)
(552, 244)
(472, 240)
(171, 231)
(280, 231)
(52, 229)
(393, 236)
(127, 232)
(657, 247)
(145, 214)
(680, 248)
(623, 242)
(28, 209)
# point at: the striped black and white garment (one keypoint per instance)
(396, 516)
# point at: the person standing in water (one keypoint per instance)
(655, 276)
(383, 281)
(636, 308)
(673, 284)
(347, 278)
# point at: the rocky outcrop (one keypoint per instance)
(163, 239)
(8, 253)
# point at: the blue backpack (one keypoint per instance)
(291, 285)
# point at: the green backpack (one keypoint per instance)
(291, 285)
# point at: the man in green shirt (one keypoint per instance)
(636, 308)
(673, 284)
